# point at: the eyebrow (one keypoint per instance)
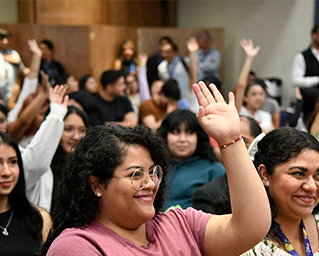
(298, 167)
(137, 167)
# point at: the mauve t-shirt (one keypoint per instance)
(177, 232)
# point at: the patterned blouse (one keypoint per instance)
(267, 248)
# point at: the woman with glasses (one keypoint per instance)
(114, 186)
(75, 126)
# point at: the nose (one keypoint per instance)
(5, 170)
(310, 185)
(149, 183)
(77, 135)
(182, 136)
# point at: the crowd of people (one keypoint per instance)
(151, 160)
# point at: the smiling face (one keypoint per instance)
(182, 142)
(9, 170)
(294, 185)
(74, 130)
(255, 97)
(120, 204)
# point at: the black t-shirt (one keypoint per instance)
(115, 110)
(18, 242)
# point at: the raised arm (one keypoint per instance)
(35, 59)
(250, 219)
(192, 46)
(142, 78)
(251, 53)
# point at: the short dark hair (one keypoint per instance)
(99, 153)
(83, 81)
(171, 90)
(4, 110)
(213, 80)
(165, 38)
(48, 43)
(110, 77)
(315, 29)
(254, 128)
(4, 33)
(182, 116)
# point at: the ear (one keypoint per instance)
(95, 185)
(264, 176)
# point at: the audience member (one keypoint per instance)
(88, 104)
(305, 74)
(213, 197)
(75, 126)
(174, 66)
(114, 189)
(287, 163)
(156, 59)
(50, 66)
(127, 62)
(88, 83)
(152, 111)
(23, 226)
(69, 81)
(193, 162)
(12, 61)
(115, 106)
(208, 59)
(270, 105)
(250, 98)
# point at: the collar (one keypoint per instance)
(315, 52)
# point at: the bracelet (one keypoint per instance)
(233, 142)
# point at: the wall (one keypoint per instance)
(281, 28)
(8, 11)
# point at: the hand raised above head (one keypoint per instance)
(192, 44)
(57, 95)
(248, 47)
(219, 119)
(142, 57)
(34, 48)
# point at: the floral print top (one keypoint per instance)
(267, 248)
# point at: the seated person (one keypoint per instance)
(127, 61)
(250, 98)
(213, 197)
(69, 81)
(50, 66)
(115, 105)
(193, 162)
(88, 83)
(114, 187)
(152, 111)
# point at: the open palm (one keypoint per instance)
(219, 119)
(248, 47)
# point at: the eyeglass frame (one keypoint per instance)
(147, 180)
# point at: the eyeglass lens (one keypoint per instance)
(140, 177)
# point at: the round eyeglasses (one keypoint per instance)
(140, 177)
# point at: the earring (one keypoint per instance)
(266, 183)
(98, 194)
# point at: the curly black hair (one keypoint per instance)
(181, 116)
(99, 153)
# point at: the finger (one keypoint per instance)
(231, 98)
(206, 92)
(65, 101)
(199, 95)
(217, 95)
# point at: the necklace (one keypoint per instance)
(5, 231)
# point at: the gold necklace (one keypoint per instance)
(5, 230)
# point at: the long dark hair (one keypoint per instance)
(99, 153)
(30, 216)
(182, 116)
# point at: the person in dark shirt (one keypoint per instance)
(116, 107)
(51, 67)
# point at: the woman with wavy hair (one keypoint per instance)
(114, 187)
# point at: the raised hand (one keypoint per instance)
(248, 47)
(192, 44)
(57, 95)
(34, 48)
(142, 57)
(219, 119)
